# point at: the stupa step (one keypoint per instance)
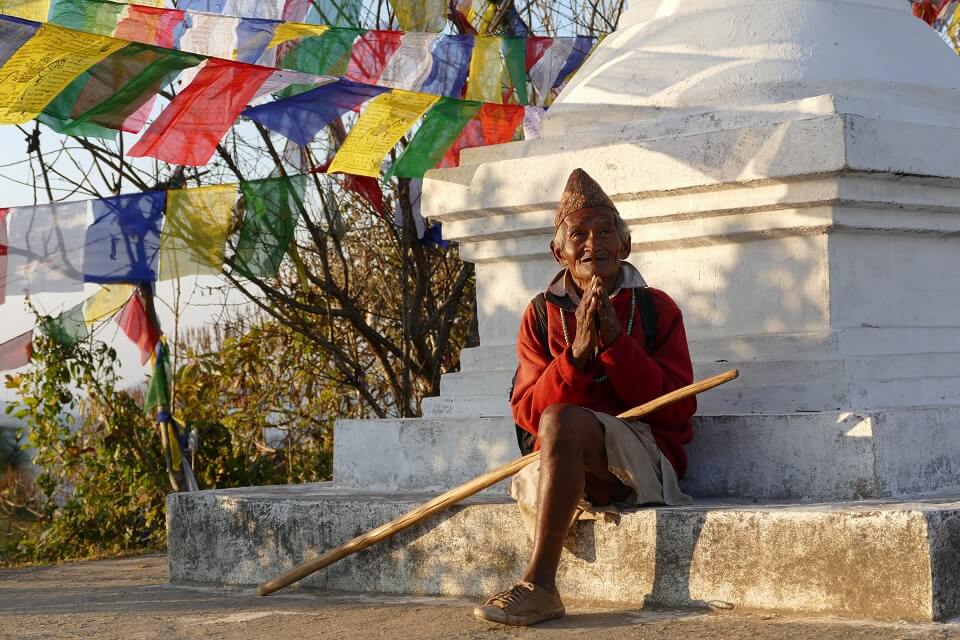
(485, 405)
(866, 559)
(836, 455)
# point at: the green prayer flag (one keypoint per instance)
(319, 55)
(515, 56)
(90, 17)
(68, 329)
(158, 389)
(440, 128)
(56, 115)
(269, 220)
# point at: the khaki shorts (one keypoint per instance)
(632, 456)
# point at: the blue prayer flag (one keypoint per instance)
(581, 49)
(123, 243)
(253, 36)
(451, 61)
(301, 117)
(13, 33)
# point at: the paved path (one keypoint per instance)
(129, 598)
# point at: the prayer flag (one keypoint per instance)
(581, 49)
(114, 90)
(271, 208)
(514, 57)
(302, 116)
(486, 70)
(411, 64)
(295, 10)
(370, 55)
(283, 78)
(106, 302)
(451, 62)
(123, 243)
(287, 31)
(195, 230)
(336, 13)
(150, 25)
(189, 129)
(44, 66)
(493, 124)
(420, 15)
(543, 74)
(381, 125)
(158, 389)
(532, 122)
(368, 189)
(135, 324)
(17, 352)
(254, 35)
(536, 47)
(67, 329)
(318, 54)
(90, 17)
(13, 33)
(45, 248)
(269, 9)
(414, 193)
(441, 126)
(36, 10)
(3, 254)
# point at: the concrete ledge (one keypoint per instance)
(868, 559)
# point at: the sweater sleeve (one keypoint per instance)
(638, 377)
(541, 379)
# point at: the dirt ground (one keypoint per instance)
(130, 598)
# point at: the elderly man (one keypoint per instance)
(585, 357)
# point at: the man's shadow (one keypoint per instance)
(677, 533)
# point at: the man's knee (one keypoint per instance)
(567, 425)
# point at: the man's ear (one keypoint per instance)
(557, 253)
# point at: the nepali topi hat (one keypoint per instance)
(581, 192)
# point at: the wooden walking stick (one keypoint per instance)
(465, 490)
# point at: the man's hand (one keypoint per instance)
(585, 342)
(608, 326)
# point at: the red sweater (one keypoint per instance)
(634, 376)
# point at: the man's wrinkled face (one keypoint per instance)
(593, 246)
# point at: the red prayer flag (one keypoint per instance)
(149, 25)
(189, 129)
(367, 188)
(536, 47)
(16, 353)
(134, 322)
(3, 254)
(493, 124)
(370, 55)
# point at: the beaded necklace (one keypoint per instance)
(630, 319)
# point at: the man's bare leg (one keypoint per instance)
(572, 445)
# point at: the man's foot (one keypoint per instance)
(521, 605)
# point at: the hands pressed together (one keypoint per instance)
(597, 323)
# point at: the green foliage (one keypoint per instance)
(12, 455)
(101, 476)
(261, 413)
(250, 397)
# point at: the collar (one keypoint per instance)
(562, 285)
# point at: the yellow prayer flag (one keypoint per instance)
(420, 15)
(36, 10)
(195, 230)
(287, 31)
(44, 66)
(486, 71)
(380, 126)
(106, 302)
